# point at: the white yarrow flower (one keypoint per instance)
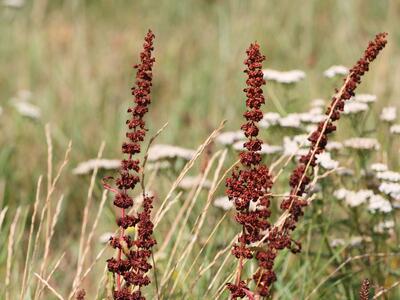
(287, 77)
(14, 3)
(360, 143)
(395, 129)
(291, 121)
(365, 98)
(27, 109)
(224, 203)
(189, 182)
(160, 151)
(391, 189)
(265, 148)
(353, 198)
(389, 176)
(270, 119)
(353, 107)
(379, 167)
(318, 103)
(336, 70)
(325, 160)
(333, 145)
(388, 114)
(230, 137)
(384, 226)
(379, 204)
(87, 167)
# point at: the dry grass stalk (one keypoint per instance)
(48, 241)
(200, 219)
(85, 220)
(46, 283)
(28, 251)
(44, 211)
(10, 251)
(77, 279)
(170, 270)
(2, 216)
(191, 162)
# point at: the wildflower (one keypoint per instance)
(313, 116)
(224, 203)
(265, 148)
(391, 189)
(27, 109)
(318, 103)
(251, 182)
(14, 3)
(360, 143)
(269, 119)
(336, 70)
(160, 152)
(230, 137)
(384, 226)
(379, 204)
(325, 160)
(105, 237)
(379, 167)
(287, 77)
(290, 121)
(395, 129)
(353, 198)
(189, 182)
(333, 145)
(88, 166)
(364, 98)
(337, 243)
(292, 146)
(299, 179)
(388, 114)
(132, 264)
(389, 176)
(353, 107)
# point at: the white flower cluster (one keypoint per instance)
(265, 148)
(395, 129)
(160, 152)
(286, 77)
(336, 70)
(359, 143)
(230, 137)
(389, 114)
(354, 107)
(24, 107)
(325, 160)
(376, 203)
(391, 189)
(88, 166)
(365, 98)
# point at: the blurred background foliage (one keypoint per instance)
(76, 57)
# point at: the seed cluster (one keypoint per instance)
(364, 290)
(131, 263)
(252, 181)
(280, 238)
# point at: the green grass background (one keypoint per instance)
(76, 58)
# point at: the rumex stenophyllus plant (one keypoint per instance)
(247, 186)
(131, 264)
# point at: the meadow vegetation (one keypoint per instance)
(64, 91)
